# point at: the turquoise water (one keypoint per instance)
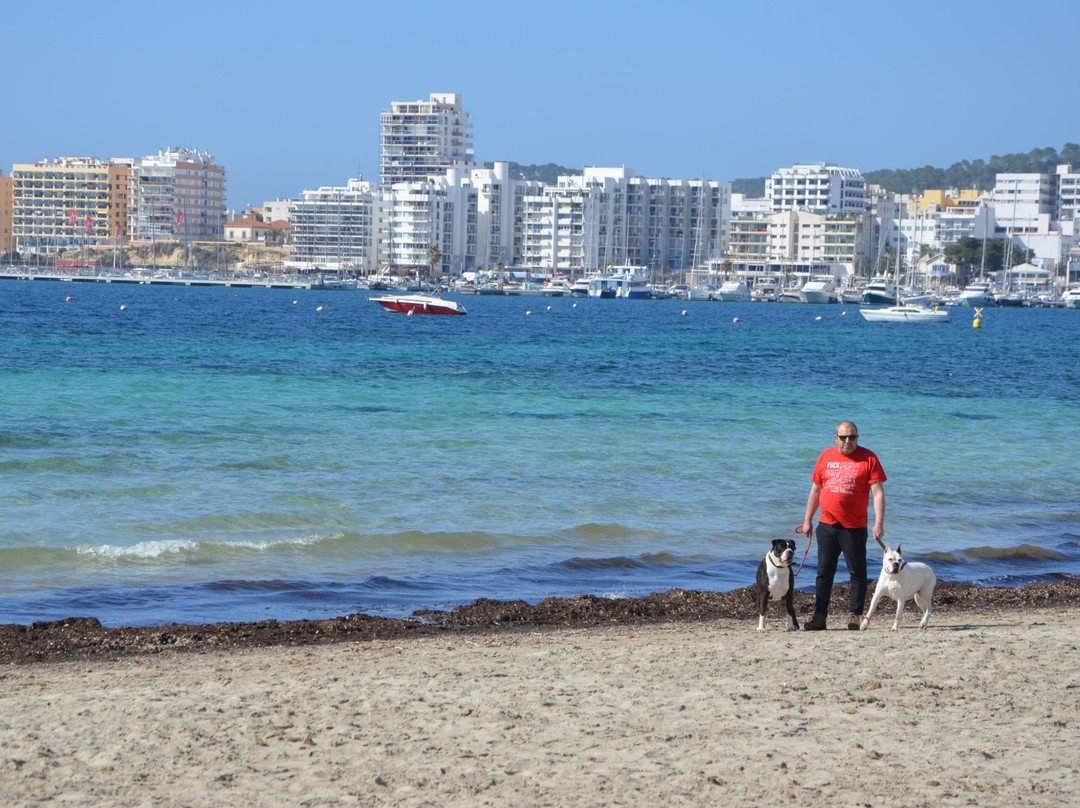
(204, 454)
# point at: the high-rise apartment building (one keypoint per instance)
(177, 195)
(422, 139)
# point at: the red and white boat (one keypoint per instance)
(419, 304)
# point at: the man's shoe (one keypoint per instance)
(815, 623)
(853, 622)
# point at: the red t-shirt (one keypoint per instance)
(845, 482)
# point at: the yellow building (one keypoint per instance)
(67, 203)
(946, 199)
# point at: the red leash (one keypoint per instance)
(809, 539)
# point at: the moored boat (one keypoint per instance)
(419, 304)
(880, 291)
(976, 294)
(556, 287)
(625, 282)
(1071, 298)
(819, 289)
(733, 291)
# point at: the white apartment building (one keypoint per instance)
(817, 187)
(1031, 210)
(422, 139)
(416, 216)
(609, 216)
(334, 229)
(1067, 207)
(177, 195)
(797, 242)
(500, 211)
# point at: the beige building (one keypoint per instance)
(67, 203)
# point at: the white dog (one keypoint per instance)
(902, 580)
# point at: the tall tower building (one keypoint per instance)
(422, 139)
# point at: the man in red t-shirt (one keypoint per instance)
(845, 477)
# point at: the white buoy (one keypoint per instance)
(684, 312)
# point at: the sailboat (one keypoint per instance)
(904, 312)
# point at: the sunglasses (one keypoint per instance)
(847, 437)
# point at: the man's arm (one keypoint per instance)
(811, 507)
(878, 492)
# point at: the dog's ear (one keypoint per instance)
(888, 549)
(898, 549)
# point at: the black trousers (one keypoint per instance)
(832, 541)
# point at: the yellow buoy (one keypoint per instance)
(977, 322)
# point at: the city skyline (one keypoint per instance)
(693, 90)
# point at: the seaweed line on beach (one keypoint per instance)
(81, 638)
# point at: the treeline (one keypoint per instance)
(980, 174)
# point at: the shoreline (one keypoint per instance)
(979, 709)
(84, 638)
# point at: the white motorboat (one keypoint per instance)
(976, 294)
(819, 289)
(908, 313)
(851, 297)
(556, 287)
(419, 304)
(580, 288)
(1071, 298)
(734, 291)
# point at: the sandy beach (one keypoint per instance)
(982, 708)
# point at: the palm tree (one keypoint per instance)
(433, 258)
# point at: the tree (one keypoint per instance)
(434, 255)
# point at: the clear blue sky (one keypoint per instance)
(287, 96)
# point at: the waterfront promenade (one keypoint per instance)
(39, 274)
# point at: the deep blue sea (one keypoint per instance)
(192, 454)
